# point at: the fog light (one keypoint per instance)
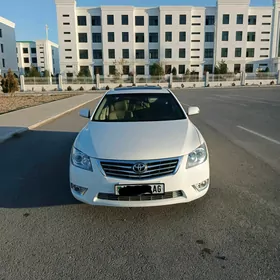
(201, 186)
(78, 189)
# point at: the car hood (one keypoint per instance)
(138, 140)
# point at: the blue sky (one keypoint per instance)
(31, 16)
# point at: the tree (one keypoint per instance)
(221, 68)
(33, 72)
(46, 73)
(10, 83)
(187, 72)
(156, 70)
(84, 72)
(174, 71)
(119, 68)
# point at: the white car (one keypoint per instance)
(139, 149)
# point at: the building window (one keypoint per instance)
(168, 36)
(153, 54)
(112, 69)
(238, 52)
(266, 23)
(225, 36)
(139, 20)
(67, 41)
(98, 70)
(168, 19)
(153, 37)
(239, 19)
(195, 41)
(252, 20)
(69, 66)
(265, 32)
(33, 50)
(196, 16)
(139, 37)
(167, 69)
(266, 16)
(195, 50)
(96, 20)
(264, 49)
(110, 19)
(263, 56)
(2, 48)
(226, 19)
(124, 19)
(66, 15)
(182, 36)
(82, 37)
(208, 53)
(83, 54)
(208, 68)
(96, 37)
(66, 23)
(97, 54)
(224, 52)
(239, 35)
(68, 57)
(182, 53)
(251, 36)
(3, 63)
(34, 60)
(250, 52)
(209, 36)
(125, 53)
(111, 53)
(26, 59)
(111, 37)
(183, 19)
(125, 36)
(182, 69)
(237, 68)
(153, 20)
(195, 33)
(139, 54)
(249, 68)
(195, 65)
(66, 33)
(196, 24)
(140, 70)
(168, 53)
(25, 50)
(125, 69)
(0, 33)
(82, 20)
(210, 20)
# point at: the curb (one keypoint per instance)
(22, 130)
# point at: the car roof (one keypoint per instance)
(138, 89)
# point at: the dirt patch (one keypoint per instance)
(13, 103)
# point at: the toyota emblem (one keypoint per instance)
(140, 168)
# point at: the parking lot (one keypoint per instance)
(231, 233)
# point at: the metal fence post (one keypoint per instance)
(97, 81)
(60, 83)
(206, 79)
(243, 76)
(22, 83)
(170, 80)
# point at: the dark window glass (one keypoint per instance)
(96, 20)
(2, 48)
(237, 68)
(125, 36)
(110, 19)
(125, 69)
(34, 60)
(225, 36)
(266, 16)
(168, 69)
(182, 36)
(67, 41)
(124, 19)
(210, 20)
(238, 52)
(196, 16)
(226, 19)
(196, 24)
(195, 41)
(97, 54)
(239, 35)
(224, 52)
(251, 36)
(153, 37)
(182, 53)
(3, 63)
(183, 19)
(168, 53)
(112, 69)
(139, 20)
(111, 53)
(66, 15)
(249, 68)
(252, 20)
(168, 36)
(266, 23)
(208, 68)
(153, 54)
(140, 70)
(82, 20)
(139, 54)
(265, 32)
(96, 37)
(26, 60)
(239, 19)
(111, 37)
(33, 50)
(25, 50)
(264, 49)
(83, 54)
(182, 69)
(125, 53)
(98, 70)
(195, 33)
(209, 36)
(153, 20)
(66, 23)
(83, 38)
(208, 53)
(68, 57)
(250, 52)
(67, 33)
(139, 37)
(168, 19)
(0, 33)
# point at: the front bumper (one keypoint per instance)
(180, 183)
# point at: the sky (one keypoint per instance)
(31, 16)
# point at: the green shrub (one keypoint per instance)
(69, 88)
(10, 83)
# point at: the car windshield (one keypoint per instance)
(138, 108)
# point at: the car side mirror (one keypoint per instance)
(85, 113)
(193, 111)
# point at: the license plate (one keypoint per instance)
(134, 190)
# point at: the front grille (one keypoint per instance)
(124, 169)
(144, 197)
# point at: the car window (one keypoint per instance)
(138, 108)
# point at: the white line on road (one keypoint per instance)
(185, 104)
(221, 100)
(260, 135)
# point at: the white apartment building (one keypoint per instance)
(42, 54)
(184, 37)
(8, 58)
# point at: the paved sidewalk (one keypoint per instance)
(22, 120)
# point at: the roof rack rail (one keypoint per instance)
(137, 87)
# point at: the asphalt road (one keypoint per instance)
(232, 233)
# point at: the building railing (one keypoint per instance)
(78, 80)
(37, 81)
(224, 77)
(261, 76)
(188, 78)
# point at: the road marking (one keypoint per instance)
(185, 104)
(260, 135)
(234, 103)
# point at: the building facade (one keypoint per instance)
(184, 37)
(42, 54)
(8, 58)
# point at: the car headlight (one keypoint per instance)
(81, 160)
(198, 156)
